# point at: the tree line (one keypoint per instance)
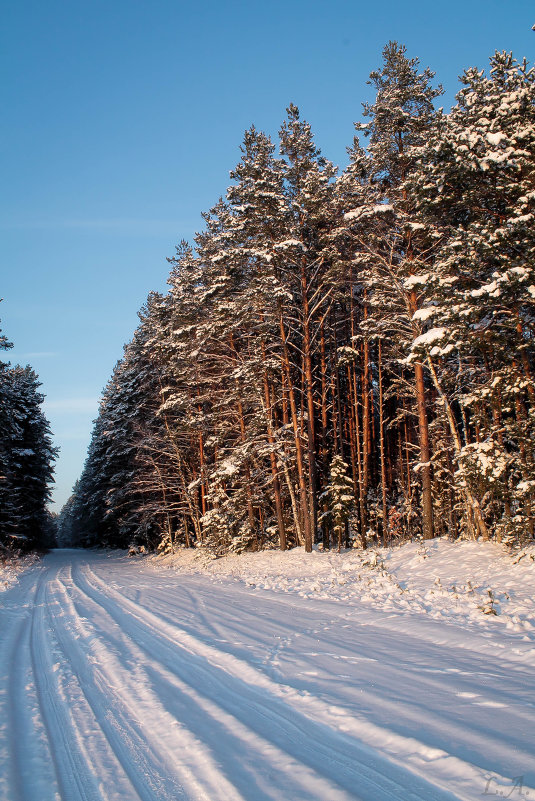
(26, 461)
(341, 357)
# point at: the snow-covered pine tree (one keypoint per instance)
(475, 195)
(248, 362)
(257, 218)
(119, 499)
(340, 499)
(26, 460)
(385, 251)
(305, 266)
(6, 508)
(65, 523)
(355, 196)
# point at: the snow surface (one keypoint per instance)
(10, 569)
(429, 337)
(270, 676)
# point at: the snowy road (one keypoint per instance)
(124, 683)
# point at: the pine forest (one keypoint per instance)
(342, 358)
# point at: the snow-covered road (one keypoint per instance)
(121, 682)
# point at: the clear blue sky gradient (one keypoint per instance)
(121, 121)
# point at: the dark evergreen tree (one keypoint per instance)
(26, 461)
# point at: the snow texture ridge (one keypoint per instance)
(480, 585)
(267, 676)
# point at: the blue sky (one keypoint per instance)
(121, 122)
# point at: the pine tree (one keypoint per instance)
(119, 500)
(474, 191)
(339, 499)
(26, 460)
(400, 119)
(309, 192)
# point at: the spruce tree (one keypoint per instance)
(339, 499)
(26, 460)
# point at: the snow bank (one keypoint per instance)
(12, 569)
(474, 584)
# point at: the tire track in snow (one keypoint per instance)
(139, 656)
(448, 722)
(256, 758)
(390, 764)
(19, 717)
(86, 723)
(163, 763)
(257, 720)
(76, 780)
(25, 762)
(382, 649)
